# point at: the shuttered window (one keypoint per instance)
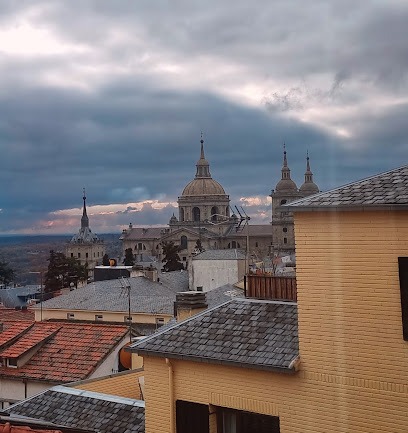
(192, 417)
(236, 421)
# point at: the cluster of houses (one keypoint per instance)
(183, 352)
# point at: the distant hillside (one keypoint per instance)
(30, 253)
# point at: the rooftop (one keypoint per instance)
(145, 296)
(241, 332)
(66, 351)
(387, 190)
(84, 409)
(232, 254)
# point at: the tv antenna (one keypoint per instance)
(125, 284)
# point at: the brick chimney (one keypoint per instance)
(188, 304)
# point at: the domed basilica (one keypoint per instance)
(205, 218)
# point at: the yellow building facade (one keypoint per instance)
(353, 370)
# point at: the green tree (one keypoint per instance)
(105, 260)
(63, 271)
(171, 258)
(199, 246)
(129, 259)
(6, 273)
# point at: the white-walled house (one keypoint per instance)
(215, 268)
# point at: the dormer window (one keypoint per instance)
(12, 362)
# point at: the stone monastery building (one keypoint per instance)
(205, 215)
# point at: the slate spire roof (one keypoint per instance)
(242, 332)
(387, 190)
(85, 234)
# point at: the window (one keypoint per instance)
(192, 417)
(86, 255)
(94, 255)
(184, 259)
(181, 214)
(236, 421)
(283, 201)
(183, 242)
(403, 278)
(79, 255)
(72, 254)
(256, 244)
(12, 362)
(128, 319)
(98, 253)
(285, 229)
(70, 316)
(98, 317)
(159, 321)
(214, 212)
(285, 240)
(199, 288)
(196, 214)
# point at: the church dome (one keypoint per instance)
(285, 185)
(309, 188)
(203, 186)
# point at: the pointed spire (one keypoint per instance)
(203, 168)
(285, 161)
(84, 219)
(285, 168)
(202, 146)
(308, 173)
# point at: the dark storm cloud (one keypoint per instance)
(110, 116)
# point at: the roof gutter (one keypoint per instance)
(171, 395)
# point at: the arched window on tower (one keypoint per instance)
(183, 242)
(181, 214)
(227, 211)
(214, 212)
(283, 201)
(196, 214)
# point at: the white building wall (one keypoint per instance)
(210, 274)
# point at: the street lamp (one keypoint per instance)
(41, 290)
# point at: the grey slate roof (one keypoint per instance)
(176, 280)
(232, 254)
(387, 190)
(109, 295)
(222, 294)
(242, 332)
(84, 409)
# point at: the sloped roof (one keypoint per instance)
(145, 297)
(242, 332)
(232, 254)
(24, 314)
(222, 294)
(140, 233)
(254, 230)
(72, 352)
(84, 409)
(387, 190)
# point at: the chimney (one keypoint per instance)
(151, 274)
(188, 304)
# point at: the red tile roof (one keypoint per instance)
(11, 330)
(72, 353)
(13, 314)
(30, 339)
(8, 428)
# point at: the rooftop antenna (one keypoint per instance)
(244, 218)
(125, 284)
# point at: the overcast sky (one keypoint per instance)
(113, 95)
